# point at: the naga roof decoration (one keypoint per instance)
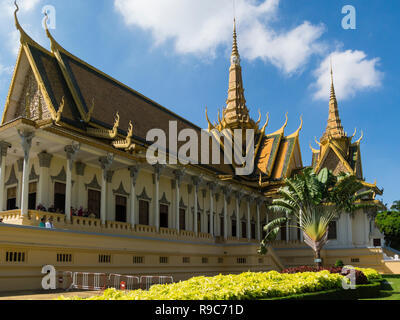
(126, 144)
(104, 133)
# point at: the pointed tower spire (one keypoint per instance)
(236, 114)
(334, 128)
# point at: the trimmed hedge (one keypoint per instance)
(366, 291)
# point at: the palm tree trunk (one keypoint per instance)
(318, 257)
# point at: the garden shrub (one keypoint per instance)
(339, 264)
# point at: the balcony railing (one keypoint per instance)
(94, 225)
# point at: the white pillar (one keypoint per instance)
(178, 180)
(44, 175)
(225, 192)
(133, 218)
(189, 215)
(349, 229)
(71, 152)
(157, 173)
(239, 196)
(248, 219)
(20, 167)
(204, 223)
(26, 142)
(3, 153)
(196, 182)
(106, 163)
(367, 229)
(258, 223)
(110, 215)
(80, 187)
(212, 187)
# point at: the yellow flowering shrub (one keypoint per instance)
(244, 286)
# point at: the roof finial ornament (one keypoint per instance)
(313, 150)
(317, 142)
(266, 124)
(17, 24)
(259, 118)
(15, 15)
(354, 134)
(210, 126)
(361, 138)
(301, 125)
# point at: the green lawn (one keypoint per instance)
(390, 288)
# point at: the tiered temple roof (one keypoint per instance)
(56, 88)
(337, 151)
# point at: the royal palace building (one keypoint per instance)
(73, 148)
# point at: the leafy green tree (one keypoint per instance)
(316, 200)
(388, 223)
(395, 206)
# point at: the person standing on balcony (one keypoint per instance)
(42, 223)
(49, 223)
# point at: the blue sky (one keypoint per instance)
(176, 52)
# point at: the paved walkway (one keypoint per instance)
(45, 295)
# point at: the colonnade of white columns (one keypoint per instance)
(71, 152)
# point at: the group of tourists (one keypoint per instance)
(46, 224)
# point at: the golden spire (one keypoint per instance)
(236, 114)
(235, 51)
(334, 128)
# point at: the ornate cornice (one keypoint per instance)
(62, 176)
(144, 196)
(33, 175)
(182, 204)
(94, 184)
(121, 191)
(12, 180)
(164, 200)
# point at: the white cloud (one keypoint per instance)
(5, 70)
(8, 34)
(200, 27)
(352, 72)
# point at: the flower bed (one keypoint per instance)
(246, 286)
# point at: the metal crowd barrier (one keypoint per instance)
(89, 281)
(100, 281)
(123, 282)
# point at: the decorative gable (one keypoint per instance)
(333, 163)
(31, 104)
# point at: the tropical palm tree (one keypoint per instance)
(315, 201)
